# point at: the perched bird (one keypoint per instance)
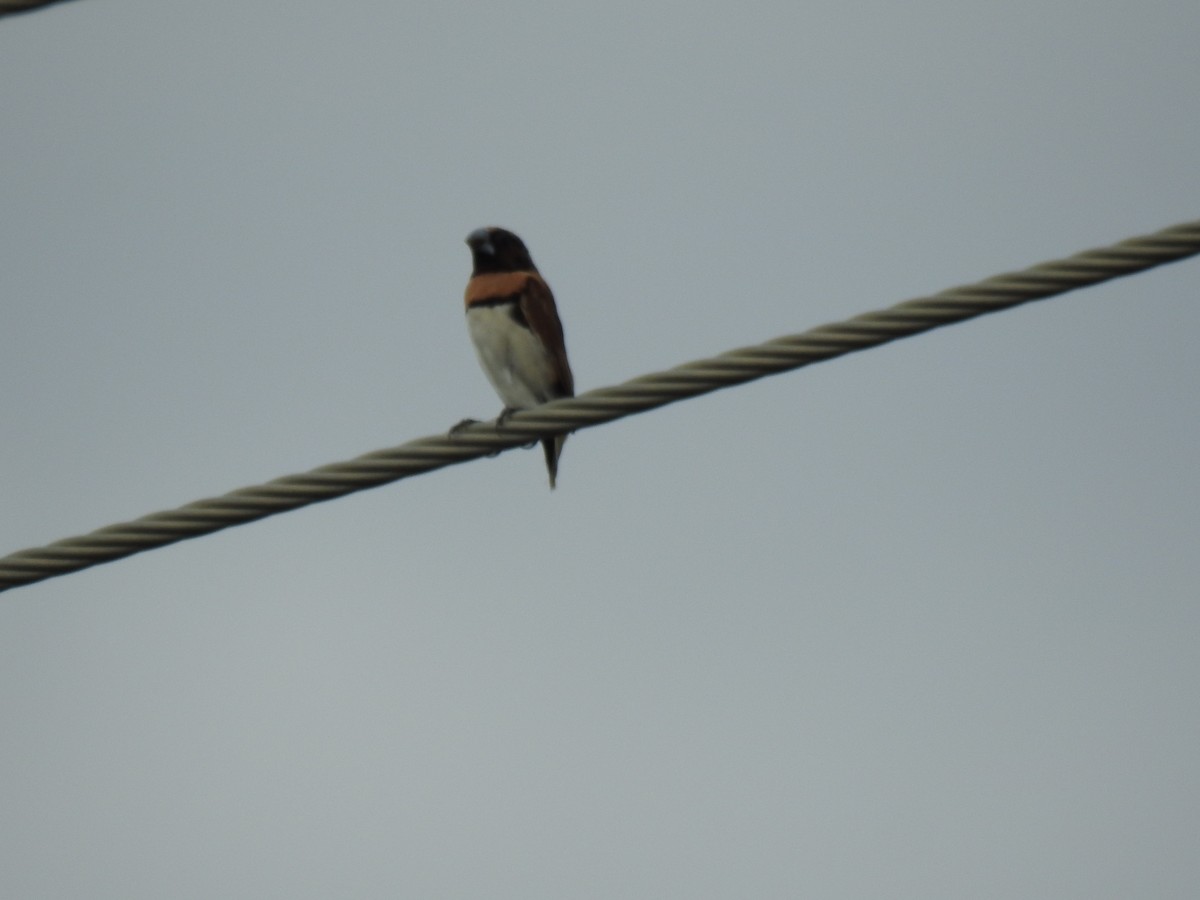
(515, 328)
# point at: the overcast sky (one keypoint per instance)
(917, 623)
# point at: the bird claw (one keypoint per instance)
(505, 415)
(467, 423)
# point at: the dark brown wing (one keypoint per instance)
(537, 306)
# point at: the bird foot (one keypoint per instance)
(467, 423)
(505, 415)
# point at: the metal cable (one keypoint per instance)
(11, 7)
(602, 405)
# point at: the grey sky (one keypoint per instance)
(917, 623)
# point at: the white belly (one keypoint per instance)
(515, 361)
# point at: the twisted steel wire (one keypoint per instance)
(603, 405)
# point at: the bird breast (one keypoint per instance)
(515, 361)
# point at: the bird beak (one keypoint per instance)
(480, 240)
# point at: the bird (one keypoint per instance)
(515, 328)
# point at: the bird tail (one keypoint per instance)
(552, 447)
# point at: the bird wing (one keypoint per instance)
(541, 316)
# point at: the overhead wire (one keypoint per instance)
(12, 7)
